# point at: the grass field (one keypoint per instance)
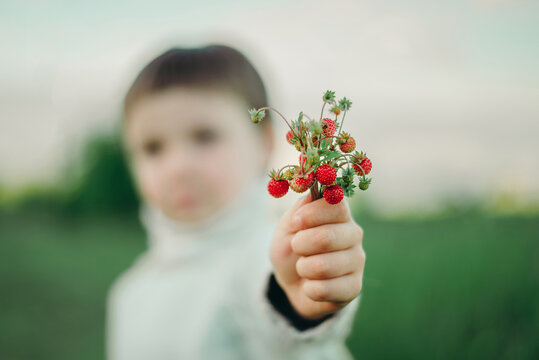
(461, 287)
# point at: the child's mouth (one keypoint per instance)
(187, 202)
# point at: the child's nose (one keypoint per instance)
(181, 163)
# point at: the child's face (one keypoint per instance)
(193, 150)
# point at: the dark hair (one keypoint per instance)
(210, 66)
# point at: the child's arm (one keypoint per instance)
(272, 323)
(277, 297)
(272, 334)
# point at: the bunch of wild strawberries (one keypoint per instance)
(324, 151)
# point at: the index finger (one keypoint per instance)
(326, 238)
(319, 212)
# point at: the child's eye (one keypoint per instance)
(205, 136)
(152, 147)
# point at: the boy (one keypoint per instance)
(221, 280)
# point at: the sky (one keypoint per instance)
(445, 94)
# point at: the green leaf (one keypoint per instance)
(348, 174)
(332, 155)
(348, 192)
(323, 152)
(328, 96)
(324, 143)
(345, 104)
(256, 115)
(348, 188)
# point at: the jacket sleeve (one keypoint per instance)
(275, 332)
(277, 297)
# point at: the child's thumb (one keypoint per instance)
(290, 215)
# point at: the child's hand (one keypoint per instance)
(318, 262)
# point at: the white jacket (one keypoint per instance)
(199, 292)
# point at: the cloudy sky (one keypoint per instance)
(445, 94)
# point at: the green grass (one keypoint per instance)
(54, 275)
(455, 288)
(464, 287)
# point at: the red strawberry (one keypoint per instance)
(307, 181)
(333, 194)
(365, 164)
(326, 175)
(278, 188)
(289, 136)
(349, 145)
(328, 127)
(297, 188)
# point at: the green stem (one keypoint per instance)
(286, 121)
(358, 160)
(342, 155)
(284, 167)
(359, 166)
(326, 137)
(342, 121)
(281, 115)
(322, 112)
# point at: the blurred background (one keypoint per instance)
(445, 101)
